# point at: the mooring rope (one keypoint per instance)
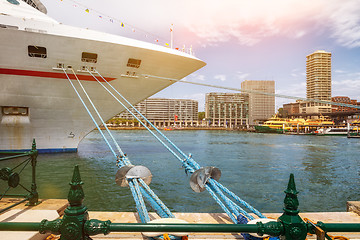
(137, 191)
(212, 186)
(88, 111)
(102, 121)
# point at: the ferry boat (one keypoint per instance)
(280, 125)
(274, 125)
(36, 98)
(341, 131)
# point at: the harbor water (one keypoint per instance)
(255, 166)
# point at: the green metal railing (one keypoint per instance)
(75, 224)
(13, 178)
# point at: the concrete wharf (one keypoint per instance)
(54, 208)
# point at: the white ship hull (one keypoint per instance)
(56, 118)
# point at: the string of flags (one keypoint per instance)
(147, 35)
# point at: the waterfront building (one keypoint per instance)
(164, 112)
(227, 109)
(291, 108)
(343, 99)
(261, 106)
(318, 82)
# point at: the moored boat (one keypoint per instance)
(36, 98)
(273, 125)
(340, 131)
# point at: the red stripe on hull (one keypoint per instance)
(61, 75)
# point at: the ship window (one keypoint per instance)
(36, 51)
(15, 111)
(89, 57)
(8, 26)
(135, 63)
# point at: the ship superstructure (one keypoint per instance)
(36, 99)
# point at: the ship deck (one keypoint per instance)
(54, 208)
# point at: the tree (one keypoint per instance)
(201, 115)
(282, 113)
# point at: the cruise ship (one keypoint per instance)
(37, 100)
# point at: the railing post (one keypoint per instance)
(72, 224)
(33, 196)
(294, 227)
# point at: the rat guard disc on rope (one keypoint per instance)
(131, 171)
(200, 177)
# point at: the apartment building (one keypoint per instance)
(318, 82)
(227, 109)
(167, 112)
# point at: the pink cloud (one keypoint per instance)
(250, 22)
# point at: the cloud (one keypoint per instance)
(345, 24)
(250, 22)
(241, 75)
(294, 90)
(339, 71)
(212, 22)
(220, 77)
(297, 73)
(348, 87)
(195, 77)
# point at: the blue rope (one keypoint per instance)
(155, 128)
(237, 198)
(97, 112)
(126, 108)
(220, 203)
(122, 160)
(156, 198)
(141, 200)
(153, 204)
(92, 118)
(137, 202)
(189, 164)
(233, 207)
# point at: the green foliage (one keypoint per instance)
(201, 115)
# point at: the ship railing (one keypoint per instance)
(75, 223)
(13, 178)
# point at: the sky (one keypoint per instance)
(238, 39)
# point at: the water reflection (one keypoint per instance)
(255, 166)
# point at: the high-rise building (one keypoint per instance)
(261, 106)
(318, 82)
(227, 109)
